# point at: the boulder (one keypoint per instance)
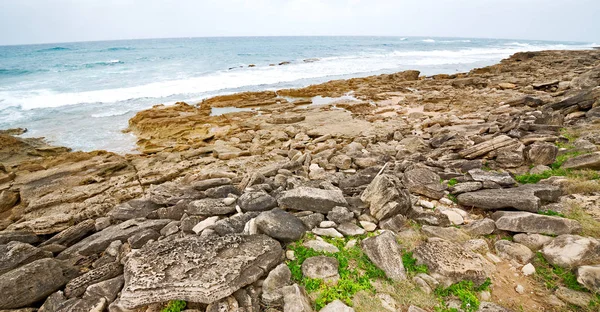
(570, 251)
(108, 289)
(541, 153)
(234, 224)
(577, 298)
(340, 215)
(312, 199)
(450, 262)
(256, 201)
(321, 267)
(501, 178)
(589, 276)
(209, 207)
(385, 197)
(279, 277)
(480, 227)
(527, 222)
(8, 199)
(281, 225)
(196, 269)
(33, 282)
(533, 241)
(487, 146)
(529, 197)
(465, 187)
(139, 239)
(510, 156)
(513, 250)
(425, 182)
(586, 161)
(386, 254)
(15, 254)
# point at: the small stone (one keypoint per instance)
(485, 295)
(368, 226)
(446, 201)
(327, 224)
(210, 221)
(229, 201)
(290, 255)
(426, 204)
(329, 232)
(337, 306)
(350, 229)
(528, 269)
(520, 289)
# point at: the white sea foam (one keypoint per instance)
(429, 40)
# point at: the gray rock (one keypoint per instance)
(477, 245)
(319, 245)
(204, 224)
(278, 278)
(312, 199)
(386, 254)
(222, 191)
(281, 225)
(425, 182)
(77, 286)
(15, 254)
(209, 207)
(170, 229)
(448, 233)
(97, 242)
(139, 239)
(312, 220)
(396, 224)
(321, 267)
(234, 224)
(136, 208)
(33, 282)
(486, 147)
(529, 197)
(19, 236)
(385, 198)
(72, 234)
(329, 232)
(465, 187)
(108, 289)
(501, 178)
(196, 269)
(480, 227)
(450, 261)
(340, 215)
(210, 183)
(295, 299)
(587, 161)
(570, 251)
(350, 229)
(256, 201)
(513, 250)
(337, 306)
(533, 241)
(542, 153)
(589, 276)
(578, 298)
(228, 304)
(527, 222)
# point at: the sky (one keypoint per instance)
(50, 21)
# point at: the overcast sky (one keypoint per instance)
(45, 21)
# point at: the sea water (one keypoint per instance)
(81, 95)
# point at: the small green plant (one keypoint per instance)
(550, 212)
(554, 276)
(452, 182)
(411, 266)
(174, 306)
(529, 178)
(452, 198)
(564, 157)
(465, 291)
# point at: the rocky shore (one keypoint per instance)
(476, 191)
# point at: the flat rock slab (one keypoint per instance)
(197, 270)
(312, 199)
(528, 197)
(15, 254)
(588, 161)
(452, 262)
(501, 178)
(527, 222)
(386, 254)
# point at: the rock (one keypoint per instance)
(342, 162)
(337, 306)
(350, 229)
(448, 233)
(108, 289)
(413, 308)
(8, 199)
(77, 286)
(139, 239)
(385, 198)
(340, 215)
(510, 156)
(329, 232)
(570, 251)
(486, 147)
(529, 197)
(295, 299)
(170, 229)
(137, 208)
(321, 267)
(520, 289)
(210, 183)
(386, 254)
(206, 223)
(589, 276)
(312, 220)
(477, 245)
(586, 161)
(73, 234)
(196, 269)
(396, 224)
(542, 153)
(491, 307)
(281, 225)
(234, 224)
(528, 269)
(527, 222)
(209, 207)
(450, 261)
(327, 224)
(480, 227)
(501, 178)
(465, 187)
(578, 298)
(539, 169)
(15, 254)
(33, 282)
(454, 217)
(256, 201)
(278, 278)
(515, 251)
(425, 182)
(312, 199)
(225, 304)
(319, 245)
(532, 241)
(18, 236)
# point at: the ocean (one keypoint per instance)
(81, 95)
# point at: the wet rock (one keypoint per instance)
(587, 161)
(281, 225)
(529, 197)
(278, 278)
(589, 276)
(501, 178)
(577, 298)
(209, 207)
(15, 254)
(98, 242)
(386, 254)
(295, 299)
(337, 306)
(425, 182)
(385, 197)
(312, 199)
(452, 263)
(542, 153)
(480, 227)
(526, 222)
(256, 201)
(33, 282)
(532, 241)
(569, 251)
(321, 267)
(212, 269)
(515, 251)
(77, 286)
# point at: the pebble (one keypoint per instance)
(528, 269)
(426, 204)
(330, 232)
(520, 289)
(289, 254)
(446, 201)
(327, 224)
(228, 201)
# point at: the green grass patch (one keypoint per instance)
(552, 213)
(553, 276)
(452, 182)
(589, 225)
(465, 291)
(452, 198)
(355, 269)
(529, 178)
(174, 306)
(560, 159)
(411, 266)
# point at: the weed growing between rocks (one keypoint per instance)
(465, 291)
(552, 213)
(174, 306)
(589, 225)
(355, 269)
(411, 266)
(452, 182)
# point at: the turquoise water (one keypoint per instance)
(81, 95)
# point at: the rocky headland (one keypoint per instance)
(476, 191)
